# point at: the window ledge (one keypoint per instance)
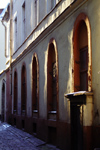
(52, 112)
(15, 110)
(35, 111)
(23, 110)
(79, 93)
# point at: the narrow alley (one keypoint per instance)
(12, 138)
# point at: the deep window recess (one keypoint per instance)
(54, 91)
(81, 58)
(52, 79)
(23, 88)
(36, 13)
(35, 90)
(15, 33)
(84, 69)
(23, 22)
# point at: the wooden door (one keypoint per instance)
(3, 103)
(76, 127)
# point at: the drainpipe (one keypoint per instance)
(5, 38)
(11, 27)
(11, 31)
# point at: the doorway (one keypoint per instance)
(76, 126)
(3, 103)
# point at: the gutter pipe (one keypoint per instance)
(11, 27)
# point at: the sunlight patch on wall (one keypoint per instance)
(45, 74)
(70, 77)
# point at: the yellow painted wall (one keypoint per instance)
(63, 34)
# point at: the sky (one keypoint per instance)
(3, 3)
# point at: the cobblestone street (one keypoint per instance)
(12, 138)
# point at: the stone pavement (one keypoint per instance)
(12, 138)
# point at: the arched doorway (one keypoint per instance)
(3, 103)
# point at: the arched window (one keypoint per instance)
(15, 93)
(82, 54)
(35, 85)
(52, 80)
(23, 90)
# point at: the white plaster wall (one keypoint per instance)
(63, 34)
(94, 15)
(64, 56)
(2, 48)
(43, 10)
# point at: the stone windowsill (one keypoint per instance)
(79, 93)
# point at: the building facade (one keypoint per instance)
(2, 70)
(52, 77)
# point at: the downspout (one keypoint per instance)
(10, 32)
(5, 38)
(11, 46)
